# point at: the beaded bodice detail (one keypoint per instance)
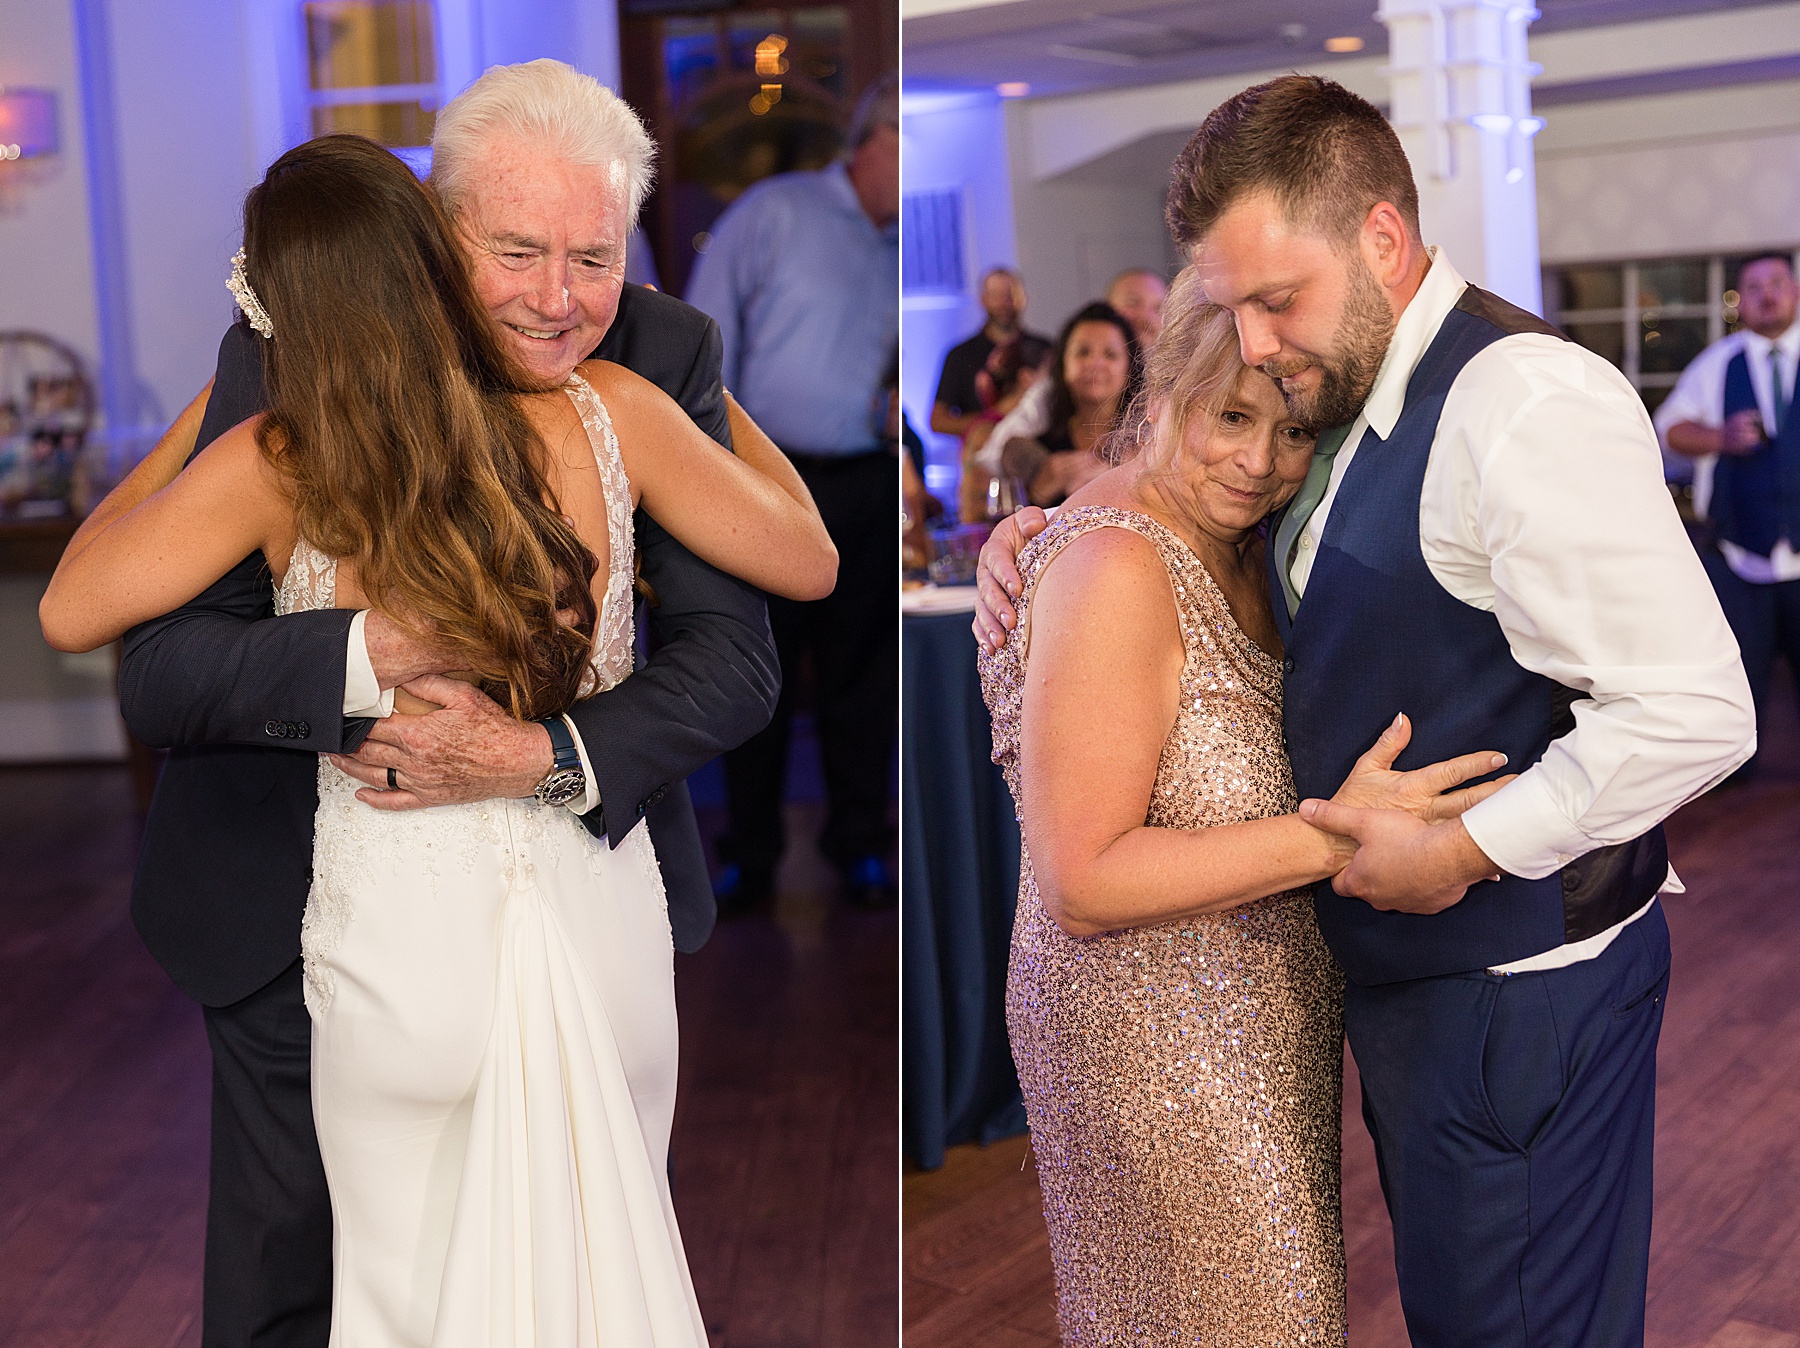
(448, 840)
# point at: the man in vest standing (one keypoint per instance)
(1484, 543)
(1731, 413)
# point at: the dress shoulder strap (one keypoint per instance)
(613, 640)
(1205, 613)
(1070, 525)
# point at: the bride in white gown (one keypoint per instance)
(491, 987)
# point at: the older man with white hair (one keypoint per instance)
(542, 171)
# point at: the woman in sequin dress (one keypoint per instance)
(1175, 1016)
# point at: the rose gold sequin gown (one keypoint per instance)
(1183, 1081)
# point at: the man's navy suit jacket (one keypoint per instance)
(246, 702)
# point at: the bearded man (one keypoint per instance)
(1483, 543)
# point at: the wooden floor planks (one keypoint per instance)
(1725, 1256)
(785, 1135)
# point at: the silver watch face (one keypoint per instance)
(562, 786)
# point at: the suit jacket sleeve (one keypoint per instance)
(713, 678)
(222, 669)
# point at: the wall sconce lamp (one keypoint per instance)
(27, 123)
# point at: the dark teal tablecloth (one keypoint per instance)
(959, 882)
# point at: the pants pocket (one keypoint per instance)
(1650, 995)
(1522, 1071)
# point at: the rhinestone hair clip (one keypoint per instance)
(238, 283)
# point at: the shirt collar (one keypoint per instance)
(1758, 345)
(836, 177)
(1413, 333)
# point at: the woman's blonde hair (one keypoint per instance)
(1192, 369)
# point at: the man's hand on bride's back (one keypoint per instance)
(400, 653)
(469, 749)
(997, 581)
(1432, 793)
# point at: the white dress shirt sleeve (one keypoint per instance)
(1698, 396)
(1553, 496)
(363, 693)
(588, 799)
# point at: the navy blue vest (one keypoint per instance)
(1377, 634)
(1756, 497)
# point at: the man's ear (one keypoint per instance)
(1388, 246)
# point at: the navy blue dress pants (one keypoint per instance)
(1513, 1118)
(268, 1215)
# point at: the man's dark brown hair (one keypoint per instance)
(1327, 156)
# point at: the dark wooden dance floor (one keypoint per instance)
(785, 1136)
(1725, 1258)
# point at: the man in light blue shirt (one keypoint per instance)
(803, 279)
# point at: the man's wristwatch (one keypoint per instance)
(565, 781)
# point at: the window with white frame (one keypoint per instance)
(372, 69)
(1649, 318)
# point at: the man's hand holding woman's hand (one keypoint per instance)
(1413, 854)
(997, 581)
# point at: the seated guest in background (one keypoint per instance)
(958, 403)
(1000, 385)
(1095, 371)
(1731, 414)
(1138, 293)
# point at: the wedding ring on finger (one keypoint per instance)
(393, 779)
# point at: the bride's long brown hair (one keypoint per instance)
(393, 409)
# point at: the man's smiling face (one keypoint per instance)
(546, 245)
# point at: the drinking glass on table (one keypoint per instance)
(1004, 496)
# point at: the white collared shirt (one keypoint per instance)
(1543, 503)
(1699, 397)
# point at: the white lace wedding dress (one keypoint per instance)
(494, 1049)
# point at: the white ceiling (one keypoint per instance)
(1065, 46)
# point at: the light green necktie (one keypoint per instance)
(1780, 400)
(1312, 491)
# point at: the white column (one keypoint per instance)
(1460, 88)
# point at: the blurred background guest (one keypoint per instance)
(802, 276)
(984, 377)
(1731, 412)
(1138, 293)
(959, 402)
(1094, 372)
(1006, 379)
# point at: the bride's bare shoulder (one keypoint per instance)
(613, 381)
(238, 455)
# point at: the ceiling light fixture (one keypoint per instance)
(1343, 44)
(1012, 89)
